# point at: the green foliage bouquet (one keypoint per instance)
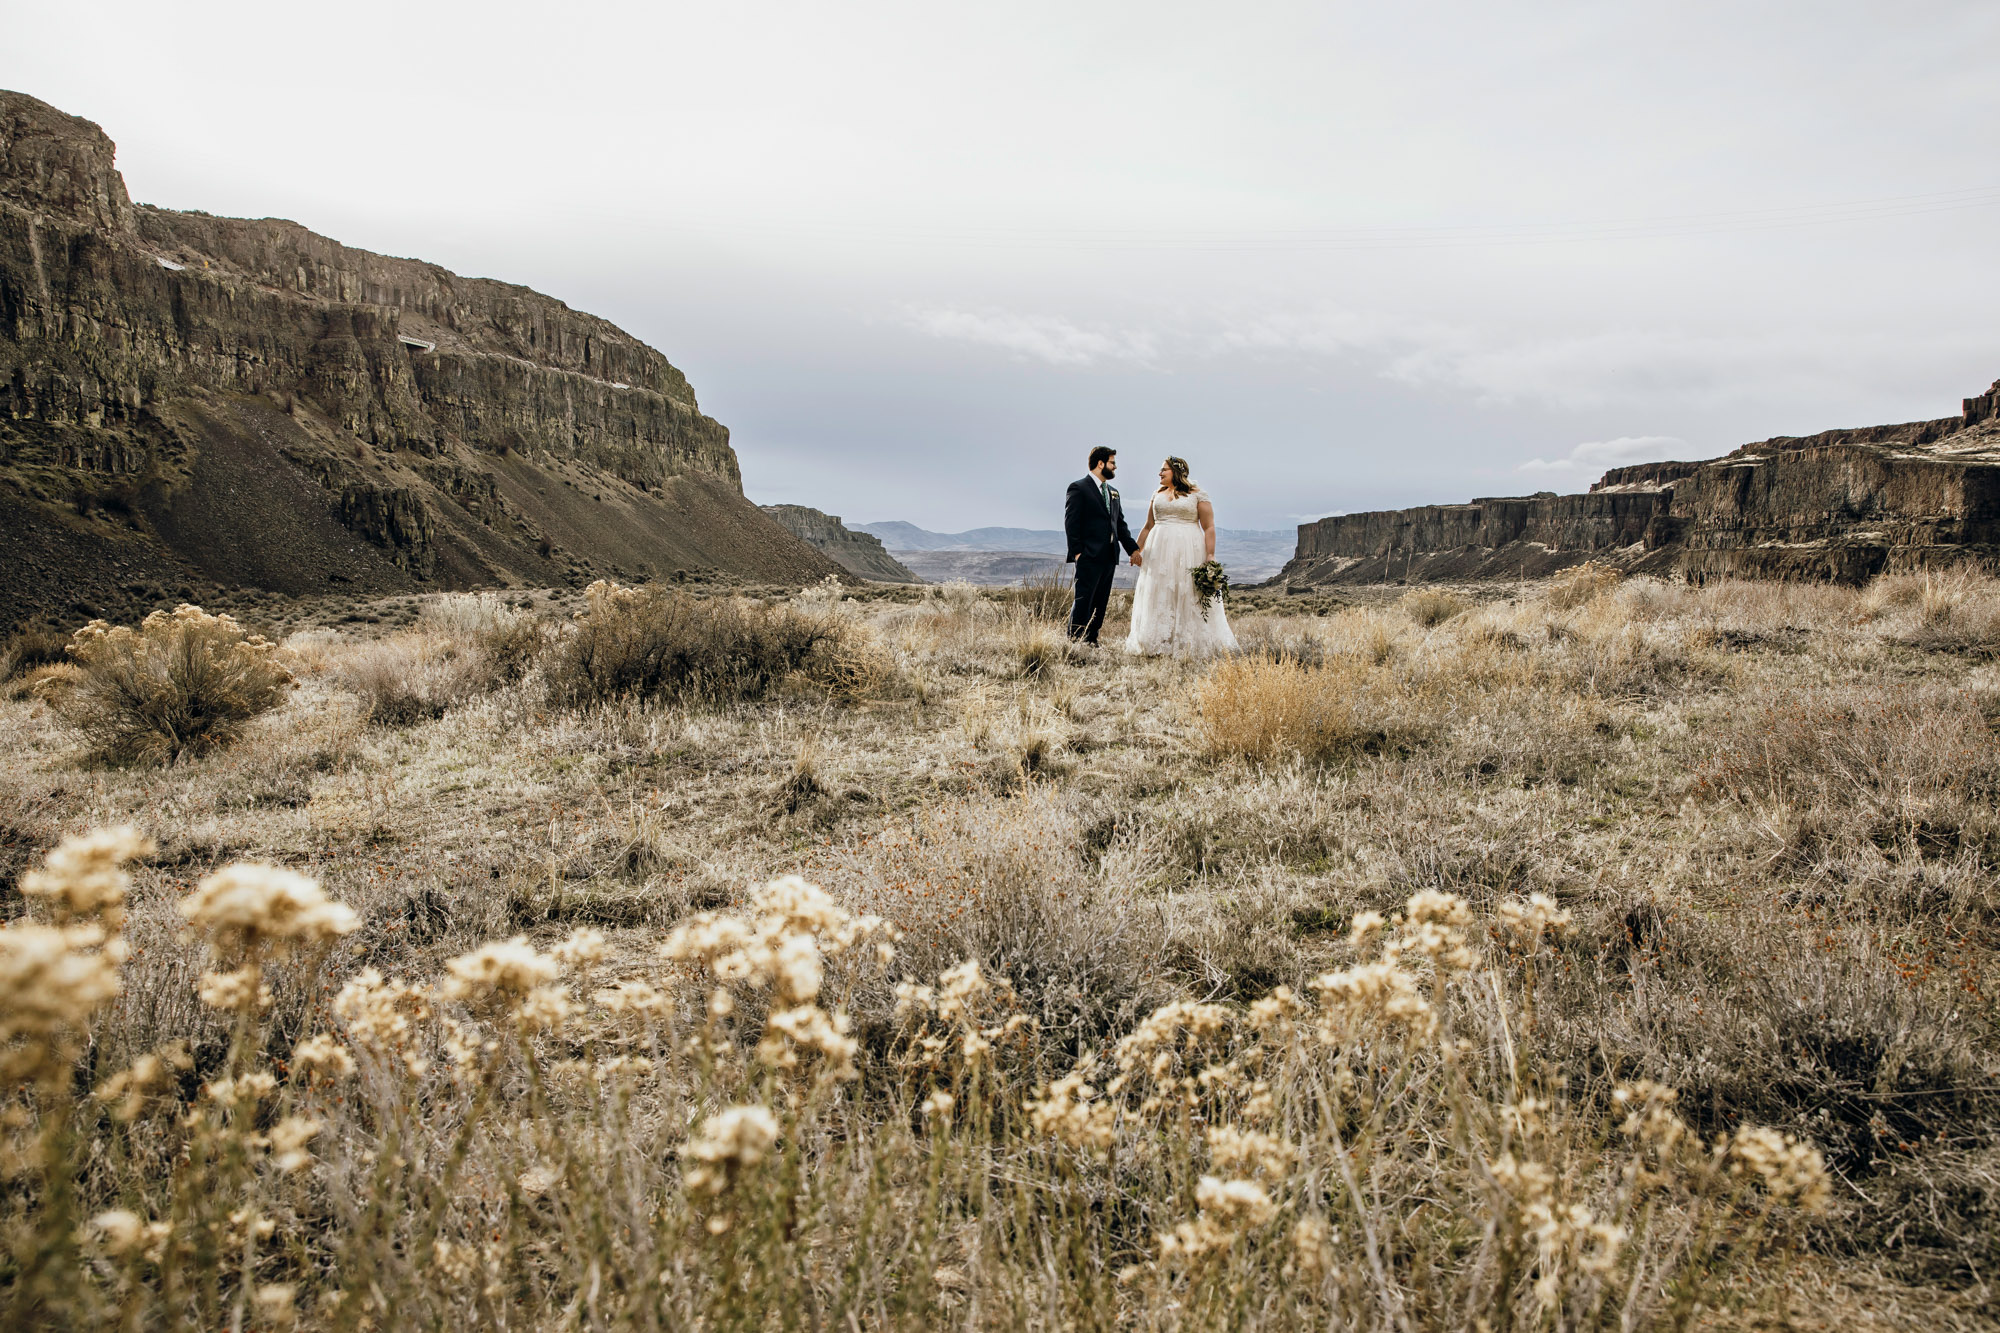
(1211, 583)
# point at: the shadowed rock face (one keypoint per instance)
(857, 552)
(413, 426)
(1844, 504)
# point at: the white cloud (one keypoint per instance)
(1049, 338)
(1596, 455)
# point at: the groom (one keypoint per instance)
(1094, 523)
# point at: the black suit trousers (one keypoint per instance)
(1093, 595)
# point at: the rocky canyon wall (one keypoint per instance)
(247, 401)
(857, 552)
(1843, 504)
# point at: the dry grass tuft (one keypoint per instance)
(1431, 607)
(650, 643)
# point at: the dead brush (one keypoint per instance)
(653, 643)
(179, 684)
(1040, 647)
(1043, 597)
(1264, 709)
(403, 679)
(1431, 607)
(1581, 585)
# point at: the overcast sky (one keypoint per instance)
(920, 257)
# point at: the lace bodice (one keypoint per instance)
(1171, 508)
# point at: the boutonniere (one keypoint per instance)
(1114, 492)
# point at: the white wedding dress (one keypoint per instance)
(1166, 614)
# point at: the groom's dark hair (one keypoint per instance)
(1099, 454)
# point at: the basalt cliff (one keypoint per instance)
(859, 553)
(1842, 505)
(190, 403)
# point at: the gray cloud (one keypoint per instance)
(1340, 255)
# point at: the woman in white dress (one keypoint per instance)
(1179, 535)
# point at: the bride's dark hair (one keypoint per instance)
(1182, 484)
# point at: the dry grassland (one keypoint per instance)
(1596, 954)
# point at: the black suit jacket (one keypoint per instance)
(1094, 533)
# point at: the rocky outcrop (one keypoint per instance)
(1843, 504)
(153, 364)
(856, 552)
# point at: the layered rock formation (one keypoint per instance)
(1844, 504)
(188, 400)
(856, 552)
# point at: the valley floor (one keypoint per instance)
(1758, 823)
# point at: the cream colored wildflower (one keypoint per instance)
(322, 1057)
(1239, 1204)
(1368, 992)
(937, 1107)
(246, 906)
(240, 991)
(129, 1088)
(1229, 1209)
(796, 968)
(1790, 1171)
(545, 1009)
(809, 1028)
(120, 1230)
(1649, 1114)
(379, 1013)
(1312, 1250)
(1365, 927)
(84, 878)
(1272, 1017)
(52, 978)
(249, 1087)
(1434, 925)
(1068, 1110)
(1528, 922)
(498, 974)
(583, 950)
(959, 988)
(912, 998)
(631, 997)
(1165, 1029)
(274, 1302)
(731, 1141)
(288, 1141)
(1247, 1152)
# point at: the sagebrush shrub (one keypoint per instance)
(178, 684)
(1431, 607)
(1263, 709)
(30, 648)
(665, 644)
(1585, 583)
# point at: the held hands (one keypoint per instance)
(1138, 558)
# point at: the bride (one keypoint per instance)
(1179, 535)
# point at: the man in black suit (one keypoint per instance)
(1094, 523)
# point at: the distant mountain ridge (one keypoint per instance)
(1251, 550)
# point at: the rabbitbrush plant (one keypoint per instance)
(177, 685)
(705, 1138)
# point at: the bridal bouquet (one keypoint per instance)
(1211, 581)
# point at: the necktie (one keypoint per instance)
(1104, 489)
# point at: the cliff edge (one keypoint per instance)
(1843, 505)
(858, 553)
(194, 401)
